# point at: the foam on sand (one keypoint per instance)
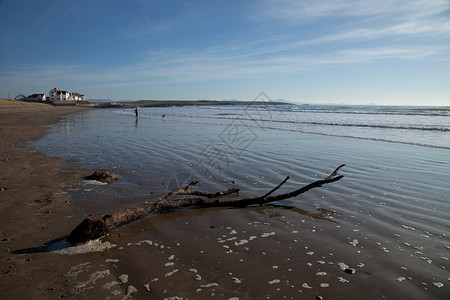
(64, 247)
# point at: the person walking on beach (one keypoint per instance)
(136, 111)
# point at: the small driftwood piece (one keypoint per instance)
(93, 228)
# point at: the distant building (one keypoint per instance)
(21, 97)
(52, 94)
(36, 97)
(57, 95)
(77, 97)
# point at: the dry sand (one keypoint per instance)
(11, 103)
(32, 192)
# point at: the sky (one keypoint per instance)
(387, 52)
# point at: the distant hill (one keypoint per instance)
(100, 100)
(165, 103)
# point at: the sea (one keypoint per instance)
(206, 141)
(425, 126)
(388, 218)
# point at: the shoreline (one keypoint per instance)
(35, 207)
(300, 248)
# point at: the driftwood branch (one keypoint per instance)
(276, 188)
(92, 228)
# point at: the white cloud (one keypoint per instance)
(368, 55)
(194, 67)
(362, 19)
(298, 10)
(388, 22)
(233, 62)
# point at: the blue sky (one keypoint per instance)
(321, 51)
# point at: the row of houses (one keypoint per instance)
(53, 95)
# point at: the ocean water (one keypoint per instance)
(253, 146)
(204, 142)
(388, 217)
(427, 126)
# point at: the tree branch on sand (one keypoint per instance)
(93, 228)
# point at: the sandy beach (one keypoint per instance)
(34, 205)
(375, 234)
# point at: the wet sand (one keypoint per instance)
(34, 206)
(381, 232)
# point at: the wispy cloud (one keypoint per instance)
(362, 32)
(368, 55)
(363, 19)
(192, 67)
(301, 11)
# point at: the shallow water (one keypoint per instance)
(388, 218)
(427, 126)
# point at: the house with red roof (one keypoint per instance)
(57, 95)
(36, 97)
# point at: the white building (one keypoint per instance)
(57, 95)
(77, 97)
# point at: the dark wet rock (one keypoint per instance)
(103, 176)
(350, 271)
